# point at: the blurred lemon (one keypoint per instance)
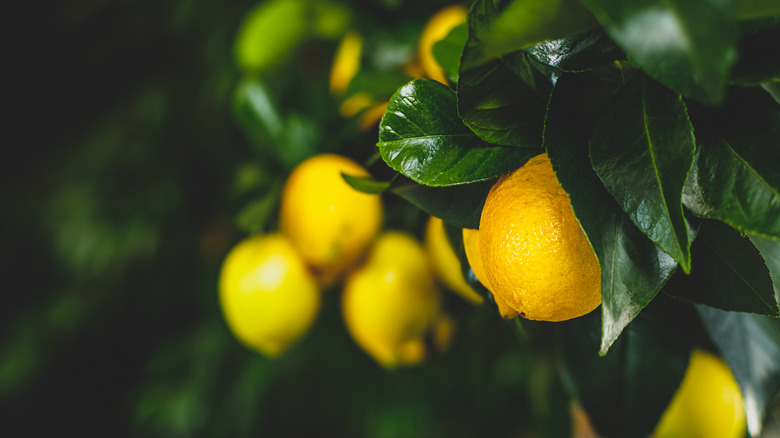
(435, 30)
(535, 256)
(329, 222)
(391, 301)
(708, 403)
(471, 245)
(346, 63)
(445, 262)
(267, 296)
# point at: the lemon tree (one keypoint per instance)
(660, 124)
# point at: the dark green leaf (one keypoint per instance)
(366, 185)
(257, 213)
(642, 149)
(422, 137)
(736, 175)
(751, 346)
(687, 45)
(377, 84)
(581, 52)
(448, 51)
(626, 391)
(504, 101)
(500, 27)
(770, 251)
(458, 205)
(728, 273)
(633, 269)
(758, 43)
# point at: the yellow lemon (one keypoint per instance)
(346, 63)
(536, 257)
(471, 245)
(268, 297)
(329, 222)
(435, 30)
(708, 403)
(391, 301)
(445, 262)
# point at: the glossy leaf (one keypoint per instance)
(504, 101)
(500, 27)
(750, 344)
(581, 52)
(448, 51)
(736, 175)
(422, 137)
(633, 269)
(459, 205)
(646, 138)
(626, 391)
(687, 45)
(728, 273)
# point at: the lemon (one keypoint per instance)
(445, 262)
(435, 30)
(391, 301)
(536, 257)
(329, 222)
(346, 63)
(471, 245)
(708, 403)
(268, 298)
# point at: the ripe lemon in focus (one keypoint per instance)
(435, 30)
(708, 403)
(391, 301)
(535, 255)
(471, 245)
(268, 298)
(329, 222)
(445, 262)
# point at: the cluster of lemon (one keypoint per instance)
(270, 285)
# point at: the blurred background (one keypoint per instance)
(129, 173)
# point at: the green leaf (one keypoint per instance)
(750, 344)
(366, 185)
(758, 40)
(770, 251)
(626, 391)
(756, 8)
(736, 176)
(459, 205)
(687, 45)
(422, 137)
(642, 149)
(728, 273)
(271, 135)
(448, 51)
(500, 27)
(633, 269)
(581, 52)
(504, 101)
